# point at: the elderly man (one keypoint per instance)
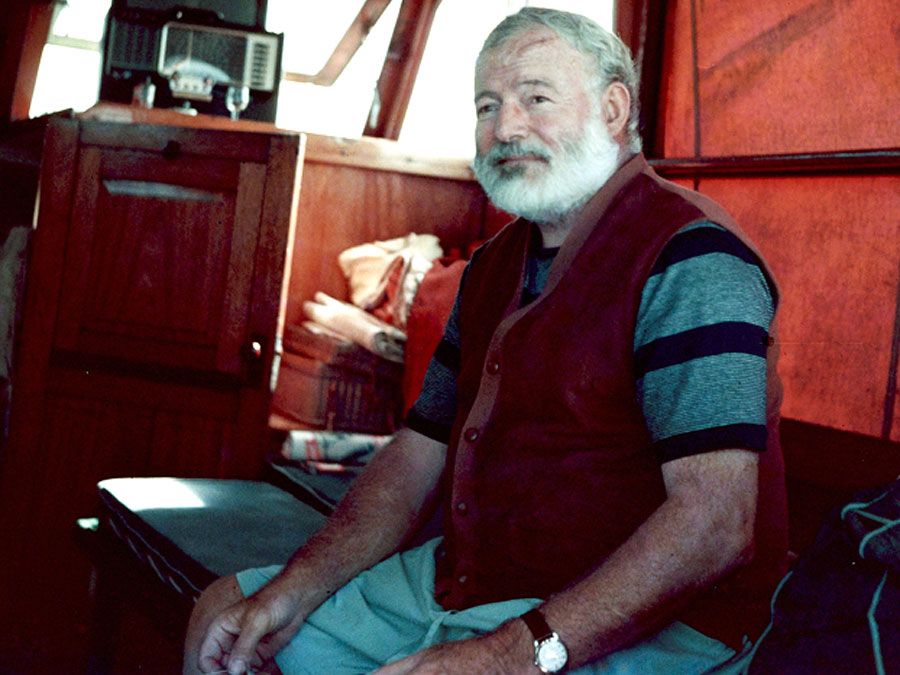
(599, 423)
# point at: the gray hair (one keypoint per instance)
(614, 63)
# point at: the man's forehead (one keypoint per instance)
(528, 47)
(521, 45)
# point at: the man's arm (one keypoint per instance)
(390, 499)
(703, 530)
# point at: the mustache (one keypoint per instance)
(504, 150)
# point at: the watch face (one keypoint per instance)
(552, 655)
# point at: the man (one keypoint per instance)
(599, 423)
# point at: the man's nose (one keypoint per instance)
(512, 123)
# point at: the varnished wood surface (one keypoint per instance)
(119, 113)
(853, 162)
(149, 253)
(341, 206)
(401, 65)
(171, 142)
(151, 272)
(371, 153)
(384, 155)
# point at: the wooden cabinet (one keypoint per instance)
(151, 311)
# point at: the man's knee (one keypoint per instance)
(219, 595)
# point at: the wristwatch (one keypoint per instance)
(550, 654)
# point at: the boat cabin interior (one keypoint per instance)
(173, 215)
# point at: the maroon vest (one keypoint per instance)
(550, 465)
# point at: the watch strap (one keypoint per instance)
(537, 624)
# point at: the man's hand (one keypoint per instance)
(506, 651)
(249, 633)
(401, 479)
(476, 656)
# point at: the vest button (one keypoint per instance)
(471, 434)
(493, 367)
(463, 579)
(462, 508)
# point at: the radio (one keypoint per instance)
(193, 57)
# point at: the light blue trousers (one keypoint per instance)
(389, 612)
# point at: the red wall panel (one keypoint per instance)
(835, 254)
(895, 421)
(676, 135)
(895, 427)
(783, 77)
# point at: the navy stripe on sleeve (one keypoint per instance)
(718, 338)
(742, 436)
(700, 241)
(447, 354)
(433, 430)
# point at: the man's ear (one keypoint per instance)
(615, 107)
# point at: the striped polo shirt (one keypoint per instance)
(699, 347)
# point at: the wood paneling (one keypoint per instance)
(159, 255)
(149, 253)
(642, 26)
(383, 155)
(352, 192)
(836, 256)
(843, 163)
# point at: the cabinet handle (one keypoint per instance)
(253, 351)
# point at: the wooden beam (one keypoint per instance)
(851, 162)
(23, 31)
(381, 154)
(627, 20)
(400, 68)
(642, 26)
(349, 44)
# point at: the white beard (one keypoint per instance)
(571, 178)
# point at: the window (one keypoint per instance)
(440, 119)
(69, 74)
(311, 30)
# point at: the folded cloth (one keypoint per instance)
(358, 325)
(384, 275)
(331, 446)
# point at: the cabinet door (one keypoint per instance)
(174, 242)
(158, 261)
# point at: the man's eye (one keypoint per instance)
(485, 109)
(537, 98)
